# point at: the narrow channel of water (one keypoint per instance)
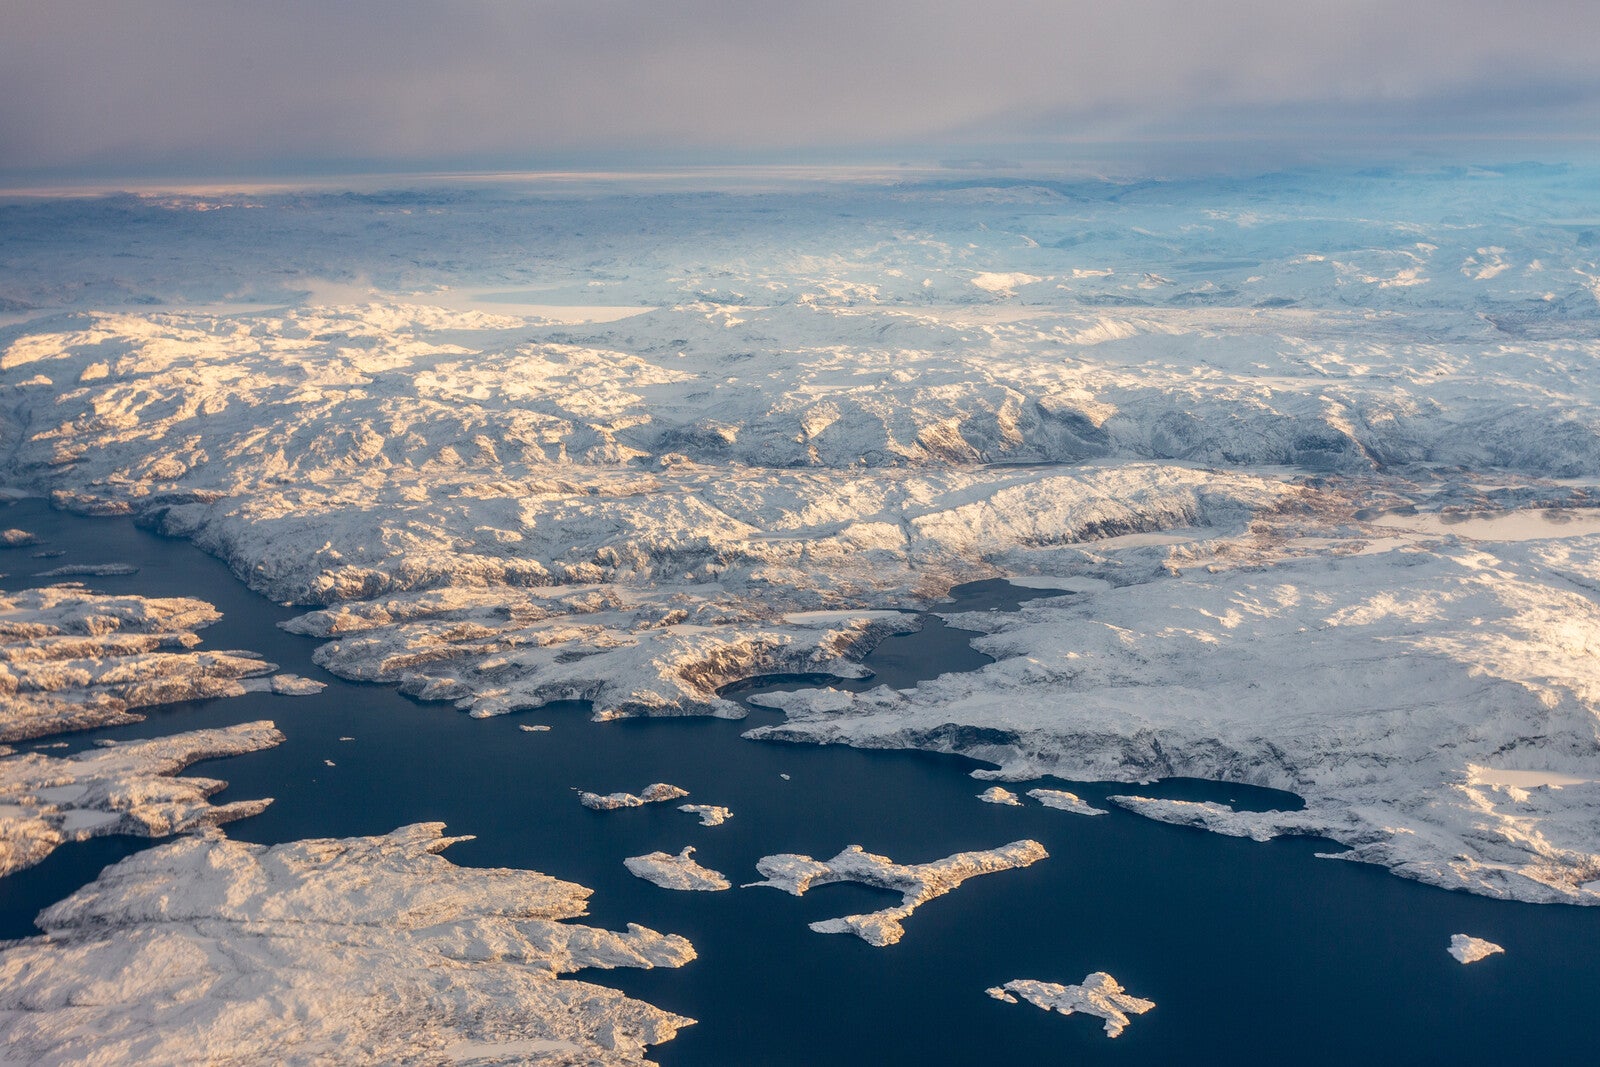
(1252, 952)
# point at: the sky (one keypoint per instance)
(219, 86)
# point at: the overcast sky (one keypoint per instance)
(205, 86)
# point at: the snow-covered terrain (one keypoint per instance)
(128, 788)
(1373, 685)
(917, 883)
(1099, 995)
(678, 871)
(1314, 453)
(708, 814)
(1468, 949)
(659, 793)
(1062, 800)
(371, 950)
(71, 659)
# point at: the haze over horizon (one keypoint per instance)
(177, 88)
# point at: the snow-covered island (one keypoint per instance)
(71, 659)
(374, 947)
(917, 883)
(676, 871)
(659, 793)
(1062, 800)
(128, 788)
(1468, 949)
(708, 814)
(1099, 995)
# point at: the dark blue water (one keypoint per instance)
(1252, 952)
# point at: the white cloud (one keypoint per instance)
(189, 83)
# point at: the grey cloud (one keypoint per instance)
(193, 85)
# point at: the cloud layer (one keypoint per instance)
(102, 83)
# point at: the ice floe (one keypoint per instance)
(916, 883)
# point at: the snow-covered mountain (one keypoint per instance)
(1315, 452)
